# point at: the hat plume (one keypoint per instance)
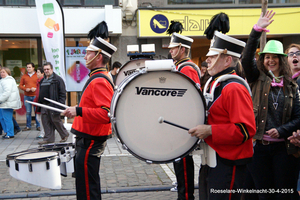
(175, 27)
(219, 22)
(100, 30)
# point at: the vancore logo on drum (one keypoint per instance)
(160, 91)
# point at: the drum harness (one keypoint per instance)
(193, 65)
(208, 155)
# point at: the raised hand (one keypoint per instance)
(265, 21)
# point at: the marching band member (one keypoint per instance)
(91, 124)
(230, 123)
(179, 50)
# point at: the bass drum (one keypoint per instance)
(129, 68)
(142, 99)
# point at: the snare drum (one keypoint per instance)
(129, 68)
(10, 160)
(146, 96)
(66, 152)
(40, 168)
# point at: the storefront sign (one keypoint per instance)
(51, 23)
(76, 71)
(154, 23)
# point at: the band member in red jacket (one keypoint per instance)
(91, 123)
(184, 169)
(230, 122)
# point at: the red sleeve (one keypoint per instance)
(191, 72)
(241, 125)
(99, 96)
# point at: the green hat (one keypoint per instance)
(274, 47)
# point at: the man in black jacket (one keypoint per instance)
(52, 87)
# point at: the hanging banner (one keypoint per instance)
(51, 21)
(76, 71)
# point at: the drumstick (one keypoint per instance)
(161, 120)
(44, 106)
(57, 103)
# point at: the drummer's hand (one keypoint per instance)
(201, 131)
(70, 112)
(266, 20)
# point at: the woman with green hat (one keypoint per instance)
(276, 107)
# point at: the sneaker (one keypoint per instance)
(39, 137)
(64, 139)
(26, 129)
(174, 183)
(7, 137)
(44, 142)
(38, 128)
(17, 131)
(174, 189)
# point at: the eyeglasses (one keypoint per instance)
(47, 69)
(291, 54)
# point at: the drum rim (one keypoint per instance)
(57, 145)
(34, 160)
(34, 150)
(118, 94)
(141, 58)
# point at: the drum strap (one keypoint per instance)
(92, 78)
(191, 64)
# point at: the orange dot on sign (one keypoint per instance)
(56, 27)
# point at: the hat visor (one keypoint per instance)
(272, 53)
(212, 53)
(92, 48)
(172, 45)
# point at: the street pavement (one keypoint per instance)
(122, 175)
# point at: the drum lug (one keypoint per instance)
(58, 161)
(17, 166)
(7, 163)
(47, 165)
(149, 161)
(198, 86)
(177, 160)
(119, 90)
(124, 147)
(30, 167)
(113, 120)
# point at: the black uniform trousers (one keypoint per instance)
(184, 171)
(87, 166)
(216, 183)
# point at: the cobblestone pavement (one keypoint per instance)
(122, 175)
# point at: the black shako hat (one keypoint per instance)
(177, 40)
(221, 43)
(99, 44)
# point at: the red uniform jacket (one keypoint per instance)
(188, 70)
(232, 121)
(95, 104)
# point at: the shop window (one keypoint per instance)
(15, 53)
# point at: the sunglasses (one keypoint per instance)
(291, 54)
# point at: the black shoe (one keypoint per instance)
(38, 129)
(7, 137)
(26, 129)
(17, 131)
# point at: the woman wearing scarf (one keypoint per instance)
(277, 113)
